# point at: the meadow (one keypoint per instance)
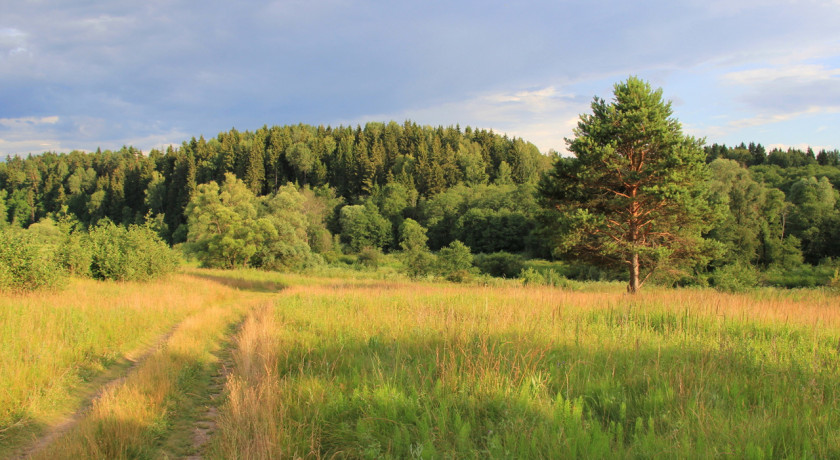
(406, 370)
(328, 367)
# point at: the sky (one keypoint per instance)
(83, 74)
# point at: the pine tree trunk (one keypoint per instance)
(634, 274)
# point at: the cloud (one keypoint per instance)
(27, 122)
(544, 116)
(116, 72)
(803, 147)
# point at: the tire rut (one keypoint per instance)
(205, 427)
(63, 426)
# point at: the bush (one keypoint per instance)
(834, 282)
(455, 262)
(23, 266)
(737, 277)
(74, 254)
(135, 253)
(500, 264)
(548, 277)
(418, 262)
(369, 257)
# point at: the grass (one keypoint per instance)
(329, 366)
(59, 347)
(402, 370)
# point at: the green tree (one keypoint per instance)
(4, 212)
(634, 195)
(285, 242)
(417, 258)
(223, 228)
(363, 226)
(301, 158)
(455, 262)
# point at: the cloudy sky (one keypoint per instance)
(82, 74)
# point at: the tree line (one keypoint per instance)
(293, 195)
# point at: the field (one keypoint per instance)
(249, 364)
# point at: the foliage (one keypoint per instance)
(417, 259)
(369, 257)
(230, 227)
(488, 218)
(500, 264)
(455, 262)
(634, 195)
(363, 226)
(288, 229)
(773, 208)
(550, 277)
(736, 277)
(135, 253)
(24, 266)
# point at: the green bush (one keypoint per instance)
(550, 277)
(500, 264)
(74, 254)
(24, 266)
(455, 262)
(369, 257)
(135, 253)
(418, 262)
(834, 282)
(737, 277)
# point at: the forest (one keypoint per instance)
(303, 195)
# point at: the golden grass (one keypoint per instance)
(129, 420)
(57, 345)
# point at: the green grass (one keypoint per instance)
(403, 370)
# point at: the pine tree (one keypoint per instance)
(634, 196)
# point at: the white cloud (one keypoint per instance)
(805, 73)
(803, 147)
(25, 122)
(543, 116)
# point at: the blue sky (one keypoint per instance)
(82, 74)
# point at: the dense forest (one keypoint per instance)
(302, 192)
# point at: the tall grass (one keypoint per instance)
(132, 419)
(56, 345)
(401, 370)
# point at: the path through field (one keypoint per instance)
(116, 376)
(161, 402)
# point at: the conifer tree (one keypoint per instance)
(635, 193)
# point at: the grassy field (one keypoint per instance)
(398, 370)
(60, 349)
(362, 368)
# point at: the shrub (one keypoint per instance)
(500, 264)
(369, 257)
(455, 262)
(737, 277)
(23, 266)
(548, 277)
(834, 282)
(418, 262)
(74, 254)
(135, 253)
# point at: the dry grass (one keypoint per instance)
(59, 347)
